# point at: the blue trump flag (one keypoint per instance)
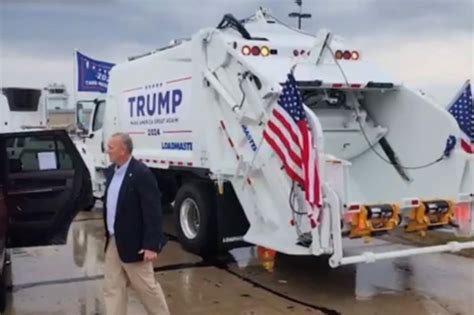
(92, 75)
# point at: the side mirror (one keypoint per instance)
(79, 123)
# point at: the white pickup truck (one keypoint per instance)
(197, 110)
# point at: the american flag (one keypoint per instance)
(463, 111)
(289, 135)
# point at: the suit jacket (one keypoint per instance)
(138, 219)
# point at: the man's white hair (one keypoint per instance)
(126, 140)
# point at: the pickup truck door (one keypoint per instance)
(45, 186)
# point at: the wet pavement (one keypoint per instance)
(67, 280)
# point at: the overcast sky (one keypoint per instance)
(428, 44)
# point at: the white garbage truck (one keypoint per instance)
(387, 157)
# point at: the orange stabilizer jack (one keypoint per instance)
(433, 213)
(372, 219)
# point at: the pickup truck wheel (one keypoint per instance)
(195, 218)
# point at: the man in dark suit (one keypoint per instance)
(133, 230)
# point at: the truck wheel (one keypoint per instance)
(195, 218)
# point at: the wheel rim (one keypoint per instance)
(190, 219)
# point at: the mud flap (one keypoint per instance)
(231, 220)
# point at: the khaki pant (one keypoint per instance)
(139, 275)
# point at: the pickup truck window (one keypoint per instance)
(37, 153)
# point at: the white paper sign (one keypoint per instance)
(47, 161)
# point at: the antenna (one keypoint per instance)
(300, 15)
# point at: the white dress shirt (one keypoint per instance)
(113, 194)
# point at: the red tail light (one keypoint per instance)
(347, 55)
(255, 50)
(462, 212)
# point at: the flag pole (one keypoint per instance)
(74, 81)
(74, 87)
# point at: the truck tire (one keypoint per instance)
(195, 218)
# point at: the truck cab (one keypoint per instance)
(90, 116)
(44, 182)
